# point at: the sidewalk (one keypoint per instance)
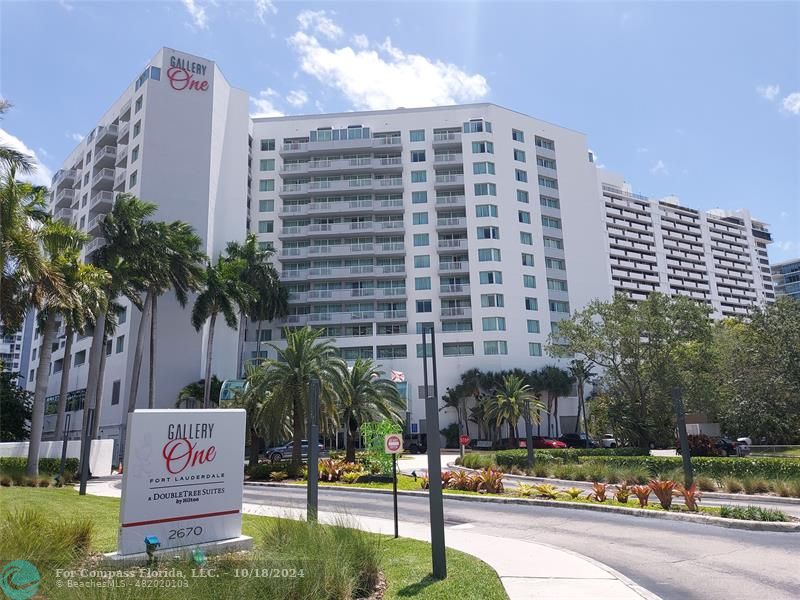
(527, 570)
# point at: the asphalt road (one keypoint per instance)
(674, 560)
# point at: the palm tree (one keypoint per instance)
(62, 244)
(287, 379)
(223, 293)
(270, 299)
(582, 373)
(366, 396)
(192, 393)
(11, 157)
(557, 383)
(510, 402)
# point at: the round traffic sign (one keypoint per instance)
(464, 440)
(393, 443)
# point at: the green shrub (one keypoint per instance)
(732, 485)
(16, 465)
(6, 481)
(755, 485)
(263, 471)
(706, 484)
(751, 513)
(781, 488)
(22, 536)
(794, 488)
(278, 475)
(716, 467)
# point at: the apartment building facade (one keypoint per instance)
(786, 277)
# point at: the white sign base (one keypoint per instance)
(183, 478)
(239, 544)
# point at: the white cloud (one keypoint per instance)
(77, 137)
(791, 103)
(659, 168)
(386, 77)
(263, 104)
(317, 22)
(361, 41)
(265, 8)
(768, 92)
(41, 175)
(297, 98)
(197, 13)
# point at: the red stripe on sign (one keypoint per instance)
(171, 519)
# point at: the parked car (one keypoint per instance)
(578, 440)
(727, 447)
(543, 443)
(279, 453)
(608, 441)
(415, 443)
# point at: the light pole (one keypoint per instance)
(528, 432)
(312, 492)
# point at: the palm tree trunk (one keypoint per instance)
(97, 354)
(555, 417)
(549, 415)
(66, 363)
(98, 404)
(151, 392)
(42, 377)
(255, 444)
(578, 416)
(585, 420)
(209, 349)
(350, 442)
(297, 431)
(137, 356)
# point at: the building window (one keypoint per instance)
(417, 156)
(120, 344)
(533, 326)
(551, 222)
(424, 326)
(422, 283)
(558, 285)
(519, 155)
(531, 304)
(521, 175)
(491, 277)
(451, 326)
(489, 254)
(155, 73)
(135, 154)
(494, 323)
(524, 217)
(265, 226)
(477, 126)
(419, 218)
(548, 163)
(485, 210)
(266, 205)
(392, 351)
(417, 135)
(428, 350)
(133, 179)
(137, 128)
(527, 260)
(266, 164)
(525, 238)
(553, 243)
(549, 202)
(522, 196)
(424, 306)
(488, 233)
(115, 387)
(109, 347)
(267, 145)
(419, 197)
(80, 358)
(58, 365)
(548, 182)
(421, 239)
(122, 316)
(266, 185)
(492, 300)
(422, 261)
(483, 168)
(458, 349)
(84, 200)
(482, 148)
(544, 143)
(517, 136)
(266, 246)
(82, 221)
(495, 347)
(559, 306)
(528, 281)
(534, 349)
(419, 176)
(485, 189)
(138, 105)
(555, 263)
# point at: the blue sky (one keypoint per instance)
(693, 99)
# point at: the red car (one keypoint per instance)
(543, 443)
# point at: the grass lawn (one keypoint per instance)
(405, 563)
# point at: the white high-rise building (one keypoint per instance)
(483, 222)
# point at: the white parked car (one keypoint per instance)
(608, 441)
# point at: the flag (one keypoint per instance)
(398, 376)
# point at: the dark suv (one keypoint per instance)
(415, 443)
(577, 440)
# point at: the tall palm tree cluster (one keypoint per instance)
(492, 400)
(276, 397)
(142, 260)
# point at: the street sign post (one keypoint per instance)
(463, 441)
(393, 444)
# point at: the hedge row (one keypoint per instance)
(11, 465)
(508, 458)
(715, 467)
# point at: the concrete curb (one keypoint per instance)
(634, 512)
(710, 495)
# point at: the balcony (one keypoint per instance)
(460, 244)
(95, 245)
(105, 134)
(389, 225)
(449, 180)
(335, 208)
(389, 270)
(122, 155)
(390, 163)
(392, 205)
(452, 223)
(64, 198)
(453, 267)
(105, 156)
(125, 110)
(392, 292)
(94, 223)
(390, 248)
(101, 201)
(64, 214)
(389, 183)
(345, 294)
(119, 180)
(124, 129)
(456, 312)
(448, 159)
(103, 178)
(64, 177)
(451, 201)
(458, 289)
(446, 139)
(393, 315)
(337, 272)
(300, 148)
